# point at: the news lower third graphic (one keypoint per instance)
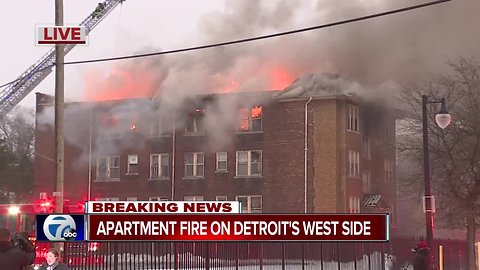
(60, 228)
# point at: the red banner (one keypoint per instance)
(238, 227)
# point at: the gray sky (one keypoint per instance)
(399, 48)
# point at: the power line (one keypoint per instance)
(362, 18)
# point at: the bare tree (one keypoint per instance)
(17, 132)
(455, 151)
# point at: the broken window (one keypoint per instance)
(250, 119)
(159, 166)
(195, 122)
(194, 165)
(108, 168)
(249, 163)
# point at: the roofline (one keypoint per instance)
(306, 98)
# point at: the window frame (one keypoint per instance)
(161, 157)
(353, 164)
(223, 197)
(217, 161)
(195, 165)
(354, 205)
(159, 198)
(198, 117)
(249, 163)
(130, 164)
(195, 198)
(249, 209)
(108, 168)
(353, 118)
(250, 119)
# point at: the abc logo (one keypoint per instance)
(60, 228)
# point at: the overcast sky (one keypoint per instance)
(398, 48)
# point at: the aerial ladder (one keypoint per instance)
(34, 75)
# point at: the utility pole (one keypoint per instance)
(59, 112)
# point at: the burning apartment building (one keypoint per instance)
(309, 148)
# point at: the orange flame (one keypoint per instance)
(118, 84)
(280, 78)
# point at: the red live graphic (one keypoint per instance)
(63, 34)
(238, 227)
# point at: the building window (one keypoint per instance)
(194, 165)
(354, 204)
(131, 198)
(367, 152)
(195, 122)
(193, 198)
(250, 119)
(158, 198)
(108, 168)
(222, 161)
(221, 198)
(108, 199)
(367, 182)
(388, 169)
(249, 163)
(353, 164)
(353, 118)
(132, 165)
(162, 126)
(159, 166)
(250, 204)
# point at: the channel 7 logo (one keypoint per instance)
(60, 228)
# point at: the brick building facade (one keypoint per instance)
(350, 158)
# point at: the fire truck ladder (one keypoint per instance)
(34, 75)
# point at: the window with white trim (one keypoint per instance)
(353, 118)
(159, 198)
(159, 166)
(193, 198)
(354, 204)
(250, 119)
(132, 165)
(249, 163)
(108, 168)
(367, 182)
(194, 164)
(353, 164)
(195, 122)
(388, 167)
(250, 203)
(221, 161)
(221, 198)
(131, 198)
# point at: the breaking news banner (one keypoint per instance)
(239, 227)
(60, 228)
(160, 207)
